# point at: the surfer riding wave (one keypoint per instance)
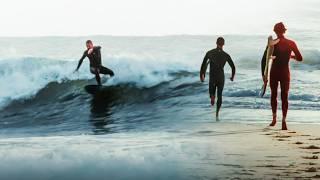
(94, 55)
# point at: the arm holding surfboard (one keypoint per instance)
(270, 48)
(266, 62)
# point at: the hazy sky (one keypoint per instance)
(152, 17)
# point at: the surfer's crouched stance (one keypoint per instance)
(280, 72)
(217, 59)
(94, 55)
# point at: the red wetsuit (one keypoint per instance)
(280, 72)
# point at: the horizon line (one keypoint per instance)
(109, 35)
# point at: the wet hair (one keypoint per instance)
(279, 28)
(88, 42)
(220, 41)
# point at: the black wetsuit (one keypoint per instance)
(217, 58)
(96, 67)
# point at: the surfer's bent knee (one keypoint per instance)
(94, 70)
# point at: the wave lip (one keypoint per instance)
(23, 78)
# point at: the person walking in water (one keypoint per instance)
(94, 56)
(217, 59)
(280, 72)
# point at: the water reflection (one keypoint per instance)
(101, 110)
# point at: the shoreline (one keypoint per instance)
(209, 150)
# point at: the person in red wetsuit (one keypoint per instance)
(280, 72)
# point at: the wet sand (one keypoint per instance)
(214, 150)
(259, 151)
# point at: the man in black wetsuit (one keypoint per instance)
(217, 59)
(94, 55)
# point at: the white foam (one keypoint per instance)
(87, 157)
(24, 77)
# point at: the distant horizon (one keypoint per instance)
(109, 35)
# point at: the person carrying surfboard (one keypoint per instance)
(265, 63)
(217, 59)
(280, 72)
(94, 55)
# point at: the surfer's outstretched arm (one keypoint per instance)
(203, 68)
(230, 62)
(81, 60)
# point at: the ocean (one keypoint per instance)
(156, 94)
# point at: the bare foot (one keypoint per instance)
(273, 123)
(284, 125)
(212, 100)
(274, 120)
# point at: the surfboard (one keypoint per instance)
(95, 89)
(266, 63)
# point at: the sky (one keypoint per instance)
(152, 17)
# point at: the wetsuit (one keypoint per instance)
(280, 72)
(217, 59)
(96, 67)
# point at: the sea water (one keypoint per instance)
(49, 125)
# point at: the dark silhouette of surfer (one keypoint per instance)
(217, 59)
(94, 55)
(280, 72)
